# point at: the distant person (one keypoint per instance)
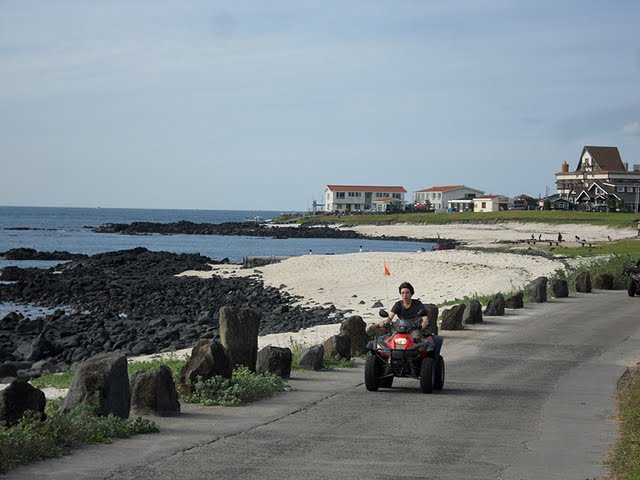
(360, 249)
(533, 237)
(577, 238)
(440, 247)
(310, 252)
(559, 237)
(609, 237)
(540, 237)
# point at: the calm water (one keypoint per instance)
(69, 229)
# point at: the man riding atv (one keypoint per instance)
(408, 309)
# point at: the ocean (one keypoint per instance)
(48, 229)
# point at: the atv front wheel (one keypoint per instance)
(427, 374)
(439, 376)
(372, 370)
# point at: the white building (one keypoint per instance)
(440, 196)
(490, 203)
(358, 198)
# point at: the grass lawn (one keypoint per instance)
(622, 220)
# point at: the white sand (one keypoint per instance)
(347, 280)
(488, 234)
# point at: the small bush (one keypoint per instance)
(35, 439)
(244, 387)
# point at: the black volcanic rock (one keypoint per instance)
(250, 229)
(121, 299)
(32, 254)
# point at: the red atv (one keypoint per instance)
(396, 354)
(633, 287)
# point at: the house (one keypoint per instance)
(602, 165)
(440, 197)
(490, 203)
(556, 202)
(604, 197)
(359, 198)
(524, 202)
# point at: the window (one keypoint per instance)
(484, 205)
(355, 194)
(340, 195)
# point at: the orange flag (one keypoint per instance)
(386, 270)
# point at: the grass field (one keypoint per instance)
(621, 220)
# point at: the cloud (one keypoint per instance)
(632, 128)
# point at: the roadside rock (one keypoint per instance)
(101, 382)
(275, 360)
(17, 398)
(452, 318)
(154, 392)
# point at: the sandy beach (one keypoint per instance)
(356, 281)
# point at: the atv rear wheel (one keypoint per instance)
(372, 370)
(631, 289)
(439, 375)
(427, 374)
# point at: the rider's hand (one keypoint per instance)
(424, 324)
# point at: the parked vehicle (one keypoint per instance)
(633, 284)
(396, 354)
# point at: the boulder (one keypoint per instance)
(275, 360)
(537, 290)
(603, 281)
(375, 330)
(208, 358)
(143, 347)
(102, 382)
(432, 318)
(496, 306)
(473, 313)
(8, 370)
(452, 318)
(154, 392)
(239, 328)
(515, 301)
(338, 346)
(17, 398)
(357, 330)
(312, 358)
(583, 282)
(560, 288)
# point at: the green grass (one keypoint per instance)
(243, 387)
(623, 220)
(35, 439)
(624, 459)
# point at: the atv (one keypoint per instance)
(396, 354)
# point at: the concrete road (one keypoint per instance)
(527, 396)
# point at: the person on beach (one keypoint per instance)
(559, 237)
(408, 308)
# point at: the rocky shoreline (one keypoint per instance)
(132, 300)
(253, 230)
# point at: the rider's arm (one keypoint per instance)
(425, 322)
(390, 318)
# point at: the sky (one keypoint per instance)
(261, 104)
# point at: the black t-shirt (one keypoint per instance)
(414, 311)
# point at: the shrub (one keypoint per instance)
(35, 439)
(243, 387)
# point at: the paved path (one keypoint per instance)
(528, 396)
